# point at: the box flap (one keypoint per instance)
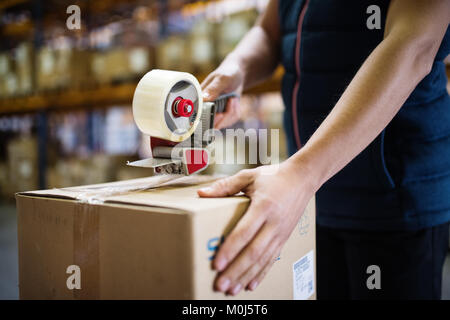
(175, 192)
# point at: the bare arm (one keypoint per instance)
(253, 60)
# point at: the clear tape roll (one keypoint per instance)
(149, 103)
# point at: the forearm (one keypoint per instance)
(257, 54)
(372, 99)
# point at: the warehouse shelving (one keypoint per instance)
(44, 15)
(87, 97)
(5, 4)
(101, 96)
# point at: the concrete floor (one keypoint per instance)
(9, 286)
(8, 257)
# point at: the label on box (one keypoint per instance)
(303, 271)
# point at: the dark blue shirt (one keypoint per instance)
(401, 181)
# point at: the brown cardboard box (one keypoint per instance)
(154, 244)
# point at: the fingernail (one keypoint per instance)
(236, 289)
(205, 95)
(253, 285)
(220, 264)
(223, 284)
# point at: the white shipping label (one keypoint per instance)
(303, 271)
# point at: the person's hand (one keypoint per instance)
(227, 78)
(279, 194)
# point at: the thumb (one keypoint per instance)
(214, 89)
(227, 186)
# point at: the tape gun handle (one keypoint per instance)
(221, 101)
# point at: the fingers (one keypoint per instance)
(207, 81)
(230, 279)
(247, 279)
(227, 186)
(267, 258)
(218, 119)
(214, 87)
(261, 275)
(231, 115)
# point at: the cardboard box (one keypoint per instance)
(153, 244)
(46, 76)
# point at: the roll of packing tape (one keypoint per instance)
(156, 102)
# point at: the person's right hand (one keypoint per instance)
(227, 78)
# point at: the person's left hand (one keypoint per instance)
(279, 195)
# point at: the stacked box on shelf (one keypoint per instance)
(9, 82)
(139, 59)
(99, 67)
(70, 172)
(80, 69)
(201, 45)
(65, 68)
(16, 71)
(173, 53)
(4, 74)
(64, 60)
(120, 64)
(23, 56)
(46, 77)
(98, 168)
(232, 29)
(22, 164)
(117, 64)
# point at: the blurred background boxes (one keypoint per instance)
(22, 168)
(231, 30)
(65, 95)
(173, 53)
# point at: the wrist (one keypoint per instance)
(304, 168)
(235, 59)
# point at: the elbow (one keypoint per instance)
(424, 53)
(422, 50)
(418, 52)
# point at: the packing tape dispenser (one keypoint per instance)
(168, 106)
